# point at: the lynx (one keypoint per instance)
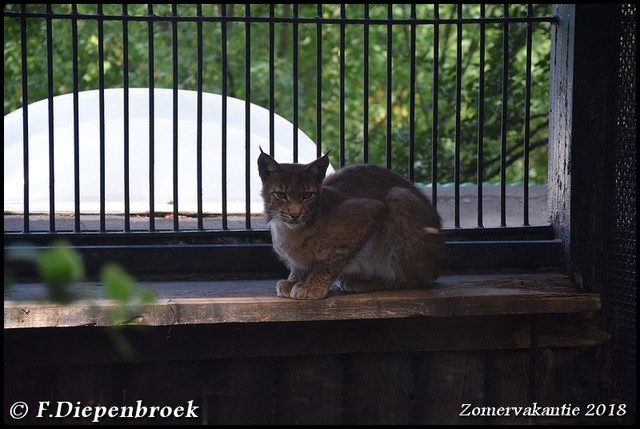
(363, 228)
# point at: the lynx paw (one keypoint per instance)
(308, 291)
(283, 288)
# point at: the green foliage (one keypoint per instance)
(359, 102)
(121, 287)
(61, 265)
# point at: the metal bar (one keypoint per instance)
(319, 82)
(152, 222)
(389, 83)
(365, 66)
(288, 20)
(527, 120)
(199, 79)
(480, 153)
(412, 95)
(272, 60)
(174, 33)
(247, 118)
(76, 122)
(503, 119)
(225, 60)
(52, 190)
(221, 238)
(125, 89)
(456, 161)
(296, 21)
(343, 15)
(101, 122)
(25, 118)
(294, 73)
(434, 131)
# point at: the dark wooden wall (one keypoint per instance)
(408, 371)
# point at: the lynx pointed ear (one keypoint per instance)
(267, 166)
(319, 167)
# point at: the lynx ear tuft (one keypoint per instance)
(319, 167)
(267, 166)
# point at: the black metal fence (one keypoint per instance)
(454, 97)
(620, 295)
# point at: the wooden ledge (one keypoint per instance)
(253, 301)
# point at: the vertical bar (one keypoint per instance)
(503, 119)
(389, 81)
(412, 94)
(272, 59)
(25, 117)
(247, 116)
(76, 120)
(199, 115)
(294, 73)
(456, 166)
(434, 130)
(101, 119)
(52, 199)
(152, 214)
(365, 67)
(527, 117)
(343, 16)
(224, 64)
(319, 81)
(480, 154)
(125, 88)
(174, 37)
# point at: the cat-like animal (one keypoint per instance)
(364, 227)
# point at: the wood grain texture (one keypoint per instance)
(378, 388)
(445, 381)
(309, 390)
(254, 301)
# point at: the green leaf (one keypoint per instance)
(147, 297)
(118, 284)
(60, 266)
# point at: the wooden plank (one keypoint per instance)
(252, 301)
(172, 384)
(561, 83)
(508, 383)
(515, 254)
(568, 376)
(179, 255)
(223, 341)
(57, 393)
(309, 390)
(378, 388)
(239, 392)
(445, 381)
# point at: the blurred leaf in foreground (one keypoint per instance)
(60, 266)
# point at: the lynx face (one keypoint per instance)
(292, 202)
(291, 191)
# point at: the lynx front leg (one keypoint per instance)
(283, 287)
(338, 246)
(316, 286)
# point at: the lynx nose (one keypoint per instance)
(295, 216)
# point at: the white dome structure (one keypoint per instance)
(89, 152)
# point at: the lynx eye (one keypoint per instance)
(280, 195)
(307, 195)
